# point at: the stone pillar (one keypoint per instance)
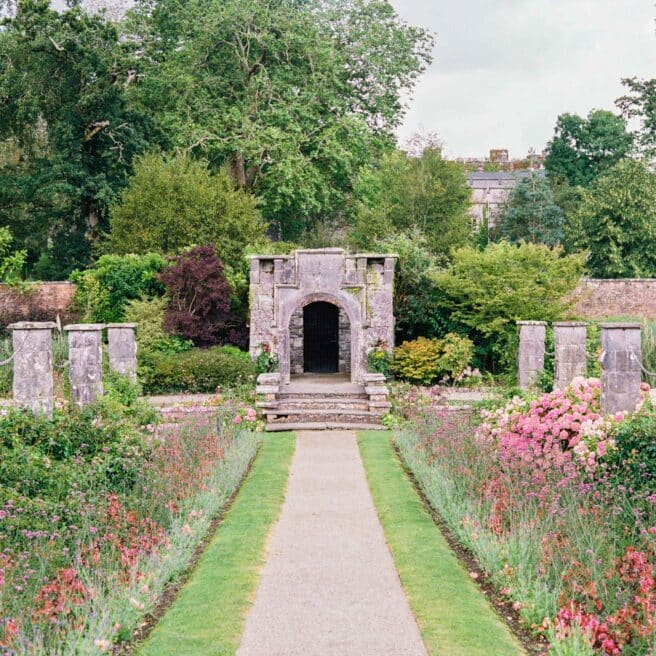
(532, 336)
(621, 359)
(122, 347)
(85, 362)
(33, 379)
(570, 355)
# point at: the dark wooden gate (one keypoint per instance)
(321, 338)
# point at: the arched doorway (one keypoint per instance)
(321, 338)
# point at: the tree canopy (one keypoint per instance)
(294, 97)
(291, 98)
(532, 215)
(64, 112)
(582, 148)
(403, 193)
(616, 222)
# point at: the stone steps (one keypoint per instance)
(316, 405)
(319, 403)
(321, 415)
(328, 425)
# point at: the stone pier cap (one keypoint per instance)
(570, 324)
(531, 323)
(32, 325)
(626, 325)
(84, 327)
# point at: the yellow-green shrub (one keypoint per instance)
(425, 361)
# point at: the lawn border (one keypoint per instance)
(172, 589)
(499, 612)
(502, 606)
(176, 588)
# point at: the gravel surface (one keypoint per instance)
(329, 586)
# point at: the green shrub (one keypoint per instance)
(484, 293)
(174, 202)
(379, 360)
(457, 354)
(266, 362)
(633, 460)
(148, 314)
(196, 370)
(418, 361)
(104, 290)
(426, 361)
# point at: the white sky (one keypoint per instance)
(505, 69)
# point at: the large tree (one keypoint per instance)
(64, 113)
(616, 222)
(294, 96)
(403, 193)
(532, 215)
(582, 148)
(639, 104)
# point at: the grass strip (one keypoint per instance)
(454, 617)
(208, 616)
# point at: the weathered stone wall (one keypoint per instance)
(43, 301)
(600, 299)
(359, 285)
(344, 343)
(296, 341)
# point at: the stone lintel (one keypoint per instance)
(84, 327)
(629, 325)
(531, 323)
(32, 325)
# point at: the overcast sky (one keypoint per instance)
(505, 69)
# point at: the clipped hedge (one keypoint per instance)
(195, 371)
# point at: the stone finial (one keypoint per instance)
(570, 339)
(532, 337)
(122, 347)
(33, 377)
(85, 361)
(621, 361)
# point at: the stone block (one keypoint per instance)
(85, 362)
(122, 347)
(532, 336)
(621, 362)
(570, 352)
(33, 378)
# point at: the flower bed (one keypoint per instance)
(99, 510)
(558, 505)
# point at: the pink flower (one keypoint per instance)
(237, 419)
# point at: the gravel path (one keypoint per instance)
(329, 586)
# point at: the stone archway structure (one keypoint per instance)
(360, 286)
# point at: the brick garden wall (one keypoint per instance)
(599, 299)
(42, 301)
